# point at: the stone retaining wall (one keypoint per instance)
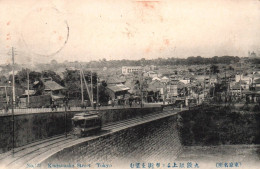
(156, 141)
(33, 127)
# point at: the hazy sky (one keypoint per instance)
(125, 29)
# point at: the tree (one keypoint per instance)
(54, 62)
(3, 80)
(102, 94)
(73, 84)
(214, 69)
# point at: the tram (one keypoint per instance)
(86, 123)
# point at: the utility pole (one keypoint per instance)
(65, 118)
(28, 88)
(5, 94)
(13, 74)
(141, 85)
(240, 80)
(91, 79)
(204, 84)
(97, 92)
(225, 86)
(90, 94)
(13, 100)
(13, 126)
(81, 85)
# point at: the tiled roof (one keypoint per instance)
(115, 80)
(51, 85)
(117, 88)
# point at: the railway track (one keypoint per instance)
(37, 152)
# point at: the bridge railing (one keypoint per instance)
(62, 109)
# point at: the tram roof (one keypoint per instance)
(90, 117)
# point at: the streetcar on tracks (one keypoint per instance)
(86, 123)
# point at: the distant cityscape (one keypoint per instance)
(182, 82)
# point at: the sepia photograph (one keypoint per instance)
(129, 84)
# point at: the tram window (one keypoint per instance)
(90, 123)
(79, 123)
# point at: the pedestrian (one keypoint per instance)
(6, 108)
(113, 103)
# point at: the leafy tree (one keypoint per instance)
(102, 94)
(214, 69)
(3, 80)
(73, 84)
(54, 62)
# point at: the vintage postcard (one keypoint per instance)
(129, 84)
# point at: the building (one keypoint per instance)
(131, 69)
(175, 88)
(156, 78)
(246, 79)
(152, 74)
(49, 87)
(118, 91)
(256, 84)
(115, 80)
(165, 79)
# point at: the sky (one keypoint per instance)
(88, 30)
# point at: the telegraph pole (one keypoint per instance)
(13, 100)
(28, 88)
(91, 86)
(81, 85)
(97, 91)
(226, 87)
(240, 80)
(66, 102)
(13, 74)
(89, 94)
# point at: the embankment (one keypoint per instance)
(33, 127)
(164, 141)
(152, 142)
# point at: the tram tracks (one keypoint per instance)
(38, 151)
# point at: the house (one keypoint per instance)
(175, 88)
(213, 79)
(185, 81)
(236, 88)
(153, 67)
(152, 74)
(203, 78)
(115, 80)
(156, 79)
(256, 84)
(165, 79)
(118, 91)
(47, 86)
(246, 79)
(155, 86)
